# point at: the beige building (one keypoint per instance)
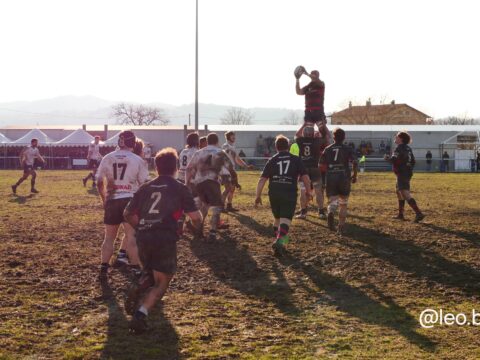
(390, 114)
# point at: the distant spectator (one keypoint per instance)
(382, 148)
(478, 161)
(445, 162)
(429, 157)
(260, 147)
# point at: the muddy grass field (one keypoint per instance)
(357, 296)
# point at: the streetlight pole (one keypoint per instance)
(196, 65)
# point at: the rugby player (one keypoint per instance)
(27, 161)
(311, 144)
(202, 142)
(403, 162)
(335, 162)
(187, 154)
(283, 171)
(122, 172)
(93, 157)
(229, 148)
(154, 212)
(314, 93)
(203, 171)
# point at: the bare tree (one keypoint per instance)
(456, 120)
(237, 116)
(132, 114)
(292, 118)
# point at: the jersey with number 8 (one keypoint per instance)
(184, 159)
(124, 172)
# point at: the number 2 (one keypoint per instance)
(157, 196)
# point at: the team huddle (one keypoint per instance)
(155, 212)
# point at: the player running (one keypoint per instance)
(93, 157)
(283, 171)
(124, 172)
(335, 162)
(154, 212)
(187, 154)
(403, 162)
(229, 148)
(311, 145)
(203, 171)
(27, 161)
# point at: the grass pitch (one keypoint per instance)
(358, 296)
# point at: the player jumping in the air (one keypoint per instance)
(314, 93)
(123, 172)
(203, 171)
(27, 161)
(311, 145)
(93, 157)
(229, 148)
(283, 171)
(335, 162)
(403, 162)
(154, 212)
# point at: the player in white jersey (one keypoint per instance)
(93, 157)
(187, 154)
(122, 172)
(203, 171)
(229, 148)
(27, 161)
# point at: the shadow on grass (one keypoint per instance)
(355, 302)
(159, 342)
(253, 224)
(19, 199)
(92, 191)
(474, 238)
(232, 264)
(413, 259)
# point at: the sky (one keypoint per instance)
(423, 53)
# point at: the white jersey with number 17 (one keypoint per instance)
(124, 172)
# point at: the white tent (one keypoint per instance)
(4, 139)
(77, 138)
(26, 139)
(113, 141)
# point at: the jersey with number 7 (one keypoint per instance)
(336, 158)
(124, 172)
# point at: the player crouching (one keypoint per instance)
(282, 171)
(335, 161)
(154, 212)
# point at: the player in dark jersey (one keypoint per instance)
(311, 145)
(314, 98)
(282, 171)
(154, 212)
(335, 162)
(403, 162)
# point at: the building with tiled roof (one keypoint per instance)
(386, 114)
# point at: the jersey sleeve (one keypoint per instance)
(143, 174)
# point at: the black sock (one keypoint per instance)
(401, 206)
(105, 265)
(413, 205)
(275, 230)
(122, 253)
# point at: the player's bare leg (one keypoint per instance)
(332, 209)
(342, 213)
(276, 224)
(155, 294)
(22, 179)
(317, 186)
(401, 206)
(131, 242)
(230, 199)
(214, 220)
(107, 246)
(32, 182)
(419, 216)
(303, 203)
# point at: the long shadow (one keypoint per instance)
(474, 238)
(416, 260)
(159, 342)
(233, 265)
(253, 224)
(92, 191)
(355, 302)
(19, 199)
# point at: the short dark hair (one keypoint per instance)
(281, 143)
(212, 139)
(338, 135)
(127, 138)
(192, 140)
(202, 141)
(228, 134)
(138, 148)
(405, 137)
(34, 139)
(166, 161)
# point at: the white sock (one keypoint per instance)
(143, 310)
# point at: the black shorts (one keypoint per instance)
(158, 250)
(283, 205)
(92, 164)
(403, 181)
(315, 116)
(27, 169)
(113, 214)
(315, 175)
(338, 184)
(210, 193)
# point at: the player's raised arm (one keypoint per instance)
(298, 90)
(299, 133)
